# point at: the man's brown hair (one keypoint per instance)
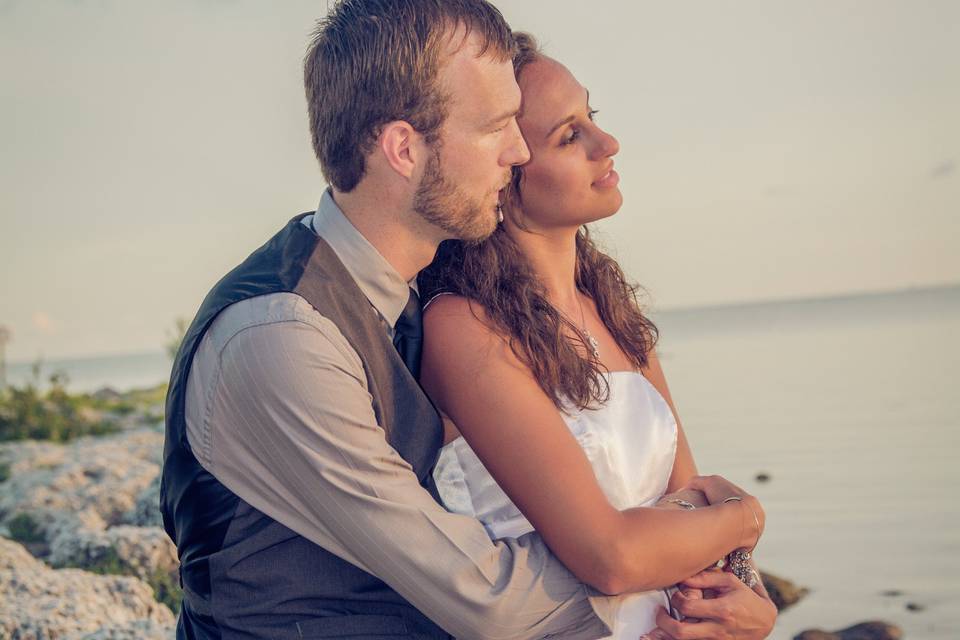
(375, 61)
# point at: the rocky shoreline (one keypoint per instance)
(83, 554)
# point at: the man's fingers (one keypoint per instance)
(657, 634)
(693, 594)
(716, 610)
(683, 597)
(721, 581)
(685, 630)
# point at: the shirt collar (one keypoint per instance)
(377, 279)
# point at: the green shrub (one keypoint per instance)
(25, 529)
(108, 564)
(4, 471)
(121, 408)
(54, 414)
(166, 588)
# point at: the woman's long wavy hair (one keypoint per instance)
(497, 275)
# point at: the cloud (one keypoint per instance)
(944, 169)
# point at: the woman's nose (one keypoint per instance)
(606, 145)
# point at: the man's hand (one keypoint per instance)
(736, 611)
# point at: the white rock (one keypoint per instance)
(39, 602)
(146, 509)
(141, 550)
(81, 496)
(91, 483)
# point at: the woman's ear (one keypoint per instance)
(401, 147)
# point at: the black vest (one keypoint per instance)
(244, 574)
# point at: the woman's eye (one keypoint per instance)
(571, 137)
(592, 114)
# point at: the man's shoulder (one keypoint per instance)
(280, 311)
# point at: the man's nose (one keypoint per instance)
(519, 153)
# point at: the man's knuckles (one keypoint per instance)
(676, 630)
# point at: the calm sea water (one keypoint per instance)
(122, 372)
(853, 408)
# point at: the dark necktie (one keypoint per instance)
(408, 334)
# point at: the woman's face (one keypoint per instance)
(569, 180)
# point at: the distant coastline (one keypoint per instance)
(121, 372)
(920, 290)
(53, 362)
(851, 310)
(149, 368)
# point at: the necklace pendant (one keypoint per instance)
(593, 344)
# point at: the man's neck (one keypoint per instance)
(403, 238)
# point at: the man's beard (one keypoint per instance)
(444, 205)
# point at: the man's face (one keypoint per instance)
(479, 143)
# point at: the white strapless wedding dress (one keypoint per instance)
(630, 441)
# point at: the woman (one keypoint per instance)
(541, 359)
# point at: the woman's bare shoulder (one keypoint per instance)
(451, 311)
(460, 342)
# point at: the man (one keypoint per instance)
(296, 479)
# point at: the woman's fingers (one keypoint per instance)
(716, 488)
(685, 495)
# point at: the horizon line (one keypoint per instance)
(848, 295)
(655, 311)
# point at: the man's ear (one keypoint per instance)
(401, 147)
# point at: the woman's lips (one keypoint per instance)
(608, 180)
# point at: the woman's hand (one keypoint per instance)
(718, 490)
(676, 499)
(715, 488)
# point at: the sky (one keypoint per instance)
(769, 150)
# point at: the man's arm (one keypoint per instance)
(291, 430)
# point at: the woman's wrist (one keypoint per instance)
(744, 509)
(755, 519)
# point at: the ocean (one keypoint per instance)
(850, 405)
(119, 372)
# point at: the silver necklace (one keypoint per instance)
(592, 341)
